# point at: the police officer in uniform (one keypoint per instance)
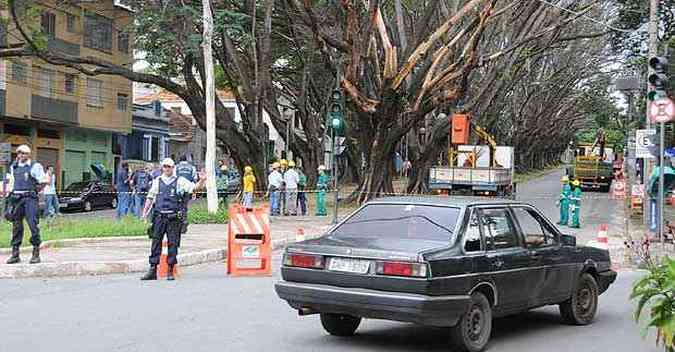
(167, 199)
(186, 170)
(26, 178)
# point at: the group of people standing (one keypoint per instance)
(570, 199)
(287, 185)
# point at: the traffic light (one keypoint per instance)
(659, 79)
(336, 113)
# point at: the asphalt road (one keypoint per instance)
(206, 311)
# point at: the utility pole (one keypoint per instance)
(653, 51)
(211, 193)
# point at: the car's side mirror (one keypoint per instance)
(568, 240)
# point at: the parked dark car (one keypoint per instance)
(445, 262)
(89, 195)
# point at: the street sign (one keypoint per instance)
(662, 110)
(5, 153)
(642, 143)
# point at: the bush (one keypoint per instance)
(64, 228)
(656, 292)
(198, 214)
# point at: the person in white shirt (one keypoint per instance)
(291, 178)
(26, 179)
(51, 200)
(274, 181)
(167, 198)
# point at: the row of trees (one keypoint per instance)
(529, 71)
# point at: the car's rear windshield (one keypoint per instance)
(400, 221)
(77, 186)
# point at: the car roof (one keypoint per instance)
(453, 201)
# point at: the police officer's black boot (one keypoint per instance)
(15, 256)
(36, 255)
(151, 274)
(169, 275)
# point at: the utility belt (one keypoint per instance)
(169, 215)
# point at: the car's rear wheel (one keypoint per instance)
(87, 206)
(580, 309)
(340, 324)
(472, 332)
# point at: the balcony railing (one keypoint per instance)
(56, 44)
(53, 109)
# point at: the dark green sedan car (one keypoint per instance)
(446, 262)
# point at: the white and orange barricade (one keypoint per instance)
(636, 199)
(249, 242)
(601, 241)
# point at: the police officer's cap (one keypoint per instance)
(168, 162)
(23, 149)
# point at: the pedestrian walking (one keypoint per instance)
(167, 199)
(302, 185)
(283, 207)
(291, 179)
(141, 180)
(575, 200)
(564, 201)
(123, 188)
(407, 165)
(274, 181)
(49, 191)
(249, 188)
(26, 178)
(222, 183)
(321, 186)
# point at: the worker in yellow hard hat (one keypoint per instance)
(564, 201)
(249, 188)
(283, 208)
(576, 204)
(291, 179)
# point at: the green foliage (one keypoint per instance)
(65, 227)
(199, 214)
(655, 292)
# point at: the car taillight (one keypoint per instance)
(304, 260)
(401, 269)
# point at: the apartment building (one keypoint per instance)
(68, 118)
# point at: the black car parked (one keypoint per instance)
(446, 262)
(89, 195)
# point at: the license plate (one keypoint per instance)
(63, 205)
(349, 265)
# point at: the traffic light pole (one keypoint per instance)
(659, 219)
(335, 178)
(653, 51)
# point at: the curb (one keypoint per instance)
(65, 269)
(70, 241)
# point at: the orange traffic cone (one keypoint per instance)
(163, 263)
(601, 240)
(300, 235)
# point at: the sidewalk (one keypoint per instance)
(202, 244)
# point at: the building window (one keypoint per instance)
(155, 149)
(151, 148)
(98, 31)
(49, 24)
(122, 102)
(123, 42)
(94, 93)
(71, 23)
(46, 82)
(69, 83)
(19, 71)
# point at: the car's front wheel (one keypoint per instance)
(340, 324)
(472, 332)
(87, 206)
(580, 309)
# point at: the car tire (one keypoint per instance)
(113, 203)
(472, 332)
(580, 309)
(87, 206)
(340, 324)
